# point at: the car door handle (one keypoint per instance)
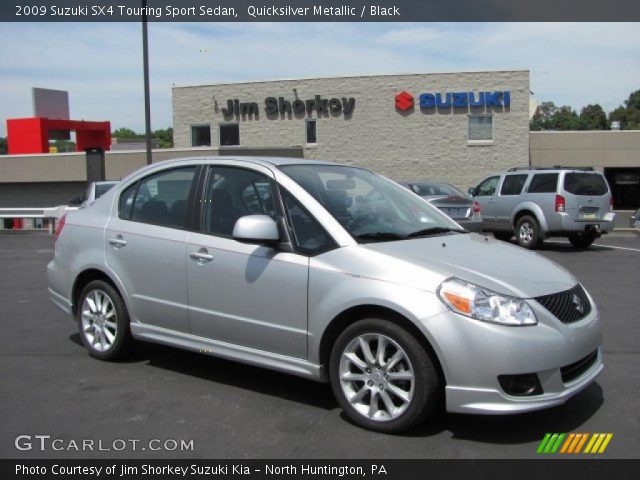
(118, 242)
(201, 256)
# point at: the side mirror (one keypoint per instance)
(76, 201)
(472, 191)
(259, 229)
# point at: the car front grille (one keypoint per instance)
(570, 372)
(568, 306)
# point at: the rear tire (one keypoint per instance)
(103, 321)
(581, 241)
(504, 236)
(392, 387)
(528, 232)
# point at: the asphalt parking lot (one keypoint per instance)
(49, 385)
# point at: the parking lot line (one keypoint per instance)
(597, 245)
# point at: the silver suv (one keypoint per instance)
(536, 203)
(330, 272)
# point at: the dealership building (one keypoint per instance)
(454, 127)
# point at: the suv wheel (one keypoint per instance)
(382, 376)
(103, 322)
(528, 232)
(581, 241)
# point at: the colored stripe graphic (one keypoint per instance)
(573, 443)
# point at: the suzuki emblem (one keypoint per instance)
(578, 303)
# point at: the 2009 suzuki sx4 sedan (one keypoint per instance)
(330, 272)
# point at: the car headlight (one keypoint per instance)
(482, 304)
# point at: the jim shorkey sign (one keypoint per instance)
(280, 105)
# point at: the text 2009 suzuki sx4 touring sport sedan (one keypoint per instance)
(328, 272)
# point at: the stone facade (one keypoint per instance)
(414, 144)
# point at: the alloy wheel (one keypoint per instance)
(526, 232)
(377, 377)
(99, 325)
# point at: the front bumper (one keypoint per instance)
(473, 354)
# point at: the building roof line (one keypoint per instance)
(338, 77)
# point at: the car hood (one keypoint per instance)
(481, 260)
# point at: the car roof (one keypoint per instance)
(260, 160)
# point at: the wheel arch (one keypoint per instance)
(531, 209)
(84, 278)
(355, 313)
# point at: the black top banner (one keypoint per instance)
(319, 10)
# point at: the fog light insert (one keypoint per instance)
(524, 385)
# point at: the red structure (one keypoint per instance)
(31, 135)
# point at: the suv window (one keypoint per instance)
(544, 183)
(513, 184)
(232, 193)
(307, 234)
(161, 198)
(487, 187)
(585, 184)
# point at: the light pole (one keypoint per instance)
(147, 100)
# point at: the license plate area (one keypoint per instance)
(456, 212)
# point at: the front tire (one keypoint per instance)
(103, 321)
(528, 232)
(581, 241)
(382, 377)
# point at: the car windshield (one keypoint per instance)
(370, 207)
(426, 189)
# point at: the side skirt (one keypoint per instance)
(251, 356)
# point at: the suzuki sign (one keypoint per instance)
(405, 101)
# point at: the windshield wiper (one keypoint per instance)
(378, 236)
(434, 231)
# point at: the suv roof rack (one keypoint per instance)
(555, 167)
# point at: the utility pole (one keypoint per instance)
(147, 99)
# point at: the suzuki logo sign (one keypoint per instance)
(499, 99)
(404, 101)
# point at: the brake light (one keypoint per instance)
(611, 204)
(59, 227)
(476, 208)
(560, 203)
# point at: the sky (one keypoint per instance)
(100, 64)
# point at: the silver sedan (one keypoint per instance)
(330, 272)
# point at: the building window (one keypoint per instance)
(480, 128)
(229, 134)
(311, 131)
(200, 136)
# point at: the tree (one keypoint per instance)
(565, 118)
(629, 114)
(593, 117)
(165, 136)
(3, 146)
(542, 116)
(126, 133)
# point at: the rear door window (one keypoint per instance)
(585, 184)
(544, 183)
(513, 184)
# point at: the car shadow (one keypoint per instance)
(239, 375)
(498, 429)
(553, 245)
